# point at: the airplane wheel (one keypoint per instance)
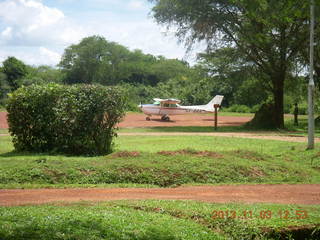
(167, 119)
(163, 118)
(148, 118)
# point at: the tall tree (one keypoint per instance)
(93, 60)
(268, 32)
(233, 76)
(15, 70)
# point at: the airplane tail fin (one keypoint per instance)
(216, 100)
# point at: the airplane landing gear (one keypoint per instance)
(165, 118)
(148, 118)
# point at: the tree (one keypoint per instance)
(42, 75)
(233, 76)
(269, 33)
(15, 70)
(4, 88)
(93, 60)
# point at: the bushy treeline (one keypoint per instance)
(78, 119)
(143, 76)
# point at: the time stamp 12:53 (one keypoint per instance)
(262, 214)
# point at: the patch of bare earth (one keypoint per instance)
(125, 154)
(3, 120)
(249, 155)
(132, 120)
(139, 120)
(191, 152)
(264, 193)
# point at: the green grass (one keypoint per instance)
(4, 131)
(290, 129)
(154, 220)
(138, 161)
(234, 114)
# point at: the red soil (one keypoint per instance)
(139, 120)
(284, 194)
(3, 120)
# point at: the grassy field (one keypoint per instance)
(159, 220)
(165, 161)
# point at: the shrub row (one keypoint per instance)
(78, 119)
(288, 108)
(241, 108)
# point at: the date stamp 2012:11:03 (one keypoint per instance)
(262, 214)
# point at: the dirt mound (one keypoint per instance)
(125, 154)
(191, 152)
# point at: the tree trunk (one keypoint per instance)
(278, 84)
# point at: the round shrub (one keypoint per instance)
(78, 119)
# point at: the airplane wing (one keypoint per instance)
(168, 100)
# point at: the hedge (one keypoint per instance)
(77, 119)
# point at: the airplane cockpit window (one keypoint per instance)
(170, 105)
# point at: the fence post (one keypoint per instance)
(216, 106)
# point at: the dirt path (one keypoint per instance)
(3, 120)
(261, 135)
(285, 194)
(139, 120)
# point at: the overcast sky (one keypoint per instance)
(37, 31)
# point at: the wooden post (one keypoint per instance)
(216, 106)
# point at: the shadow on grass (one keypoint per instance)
(290, 129)
(200, 129)
(15, 153)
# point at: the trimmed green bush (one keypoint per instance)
(78, 119)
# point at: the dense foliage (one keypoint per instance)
(77, 119)
(96, 60)
(268, 33)
(225, 71)
(15, 70)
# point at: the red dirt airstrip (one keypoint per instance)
(284, 194)
(139, 120)
(3, 120)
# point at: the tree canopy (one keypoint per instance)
(269, 33)
(96, 60)
(15, 70)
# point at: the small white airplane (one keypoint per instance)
(166, 107)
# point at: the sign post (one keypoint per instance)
(216, 106)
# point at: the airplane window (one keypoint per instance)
(166, 105)
(173, 105)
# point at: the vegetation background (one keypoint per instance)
(143, 76)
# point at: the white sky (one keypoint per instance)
(38, 31)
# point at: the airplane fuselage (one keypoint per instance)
(153, 109)
(168, 107)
